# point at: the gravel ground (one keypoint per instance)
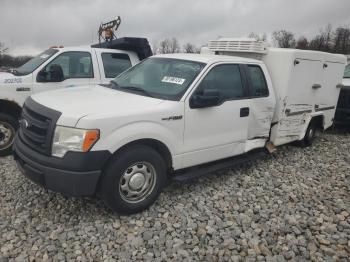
(294, 205)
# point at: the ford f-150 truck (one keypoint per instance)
(174, 115)
(58, 68)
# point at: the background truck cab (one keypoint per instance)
(60, 67)
(342, 115)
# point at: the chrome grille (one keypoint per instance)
(37, 126)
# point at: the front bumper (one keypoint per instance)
(76, 174)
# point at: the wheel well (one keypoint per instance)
(11, 108)
(160, 147)
(319, 122)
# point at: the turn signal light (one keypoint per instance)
(91, 137)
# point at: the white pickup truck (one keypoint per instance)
(58, 68)
(173, 116)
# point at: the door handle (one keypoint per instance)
(316, 86)
(339, 86)
(244, 112)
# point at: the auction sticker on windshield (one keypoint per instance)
(173, 80)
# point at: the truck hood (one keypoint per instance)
(6, 75)
(78, 102)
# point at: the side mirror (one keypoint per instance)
(54, 74)
(209, 97)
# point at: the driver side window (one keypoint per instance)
(226, 79)
(71, 65)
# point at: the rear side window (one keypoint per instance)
(114, 64)
(226, 79)
(258, 86)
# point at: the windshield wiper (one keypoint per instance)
(137, 89)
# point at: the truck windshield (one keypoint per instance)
(347, 71)
(35, 62)
(164, 78)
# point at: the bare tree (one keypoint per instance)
(190, 48)
(302, 43)
(155, 47)
(317, 43)
(3, 49)
(174, 45)
(341, 40)
(259, 37)
(168, 46)
(327, 36)
(284, 39)
(323, 40)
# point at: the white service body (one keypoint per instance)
(306, 84)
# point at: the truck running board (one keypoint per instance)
(206, 169)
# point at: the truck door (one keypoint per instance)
(219, 131)
(262, 104)
(69, 69)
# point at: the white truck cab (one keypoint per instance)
(62, 67)
(173, 114)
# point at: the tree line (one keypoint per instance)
(172, 45)
(329, 39)
(9, 61)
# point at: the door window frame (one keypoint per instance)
(245, 71)
(65, 52)
(111, 53)
(246, 93)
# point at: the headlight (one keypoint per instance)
(73, 139)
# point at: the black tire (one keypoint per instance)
(309, 135)
(113, 183)
(8, 128)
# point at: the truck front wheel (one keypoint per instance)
(133, 180)
(8, 127)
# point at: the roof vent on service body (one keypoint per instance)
(244, 47)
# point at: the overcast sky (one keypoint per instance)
(29, 26)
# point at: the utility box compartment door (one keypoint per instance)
(329, 92)
(300, 99)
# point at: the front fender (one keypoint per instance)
(142, 130)
(13, 97)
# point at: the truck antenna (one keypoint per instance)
(107, 31)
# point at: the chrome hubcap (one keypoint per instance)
(6, 135)
(311, 133)
(137, 182)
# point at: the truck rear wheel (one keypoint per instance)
(133, 180)
(310, 134)
(8, 127)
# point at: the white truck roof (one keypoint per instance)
(209, 58)
(89, 48)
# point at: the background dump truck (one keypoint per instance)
(176, 116)
(63, 67)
